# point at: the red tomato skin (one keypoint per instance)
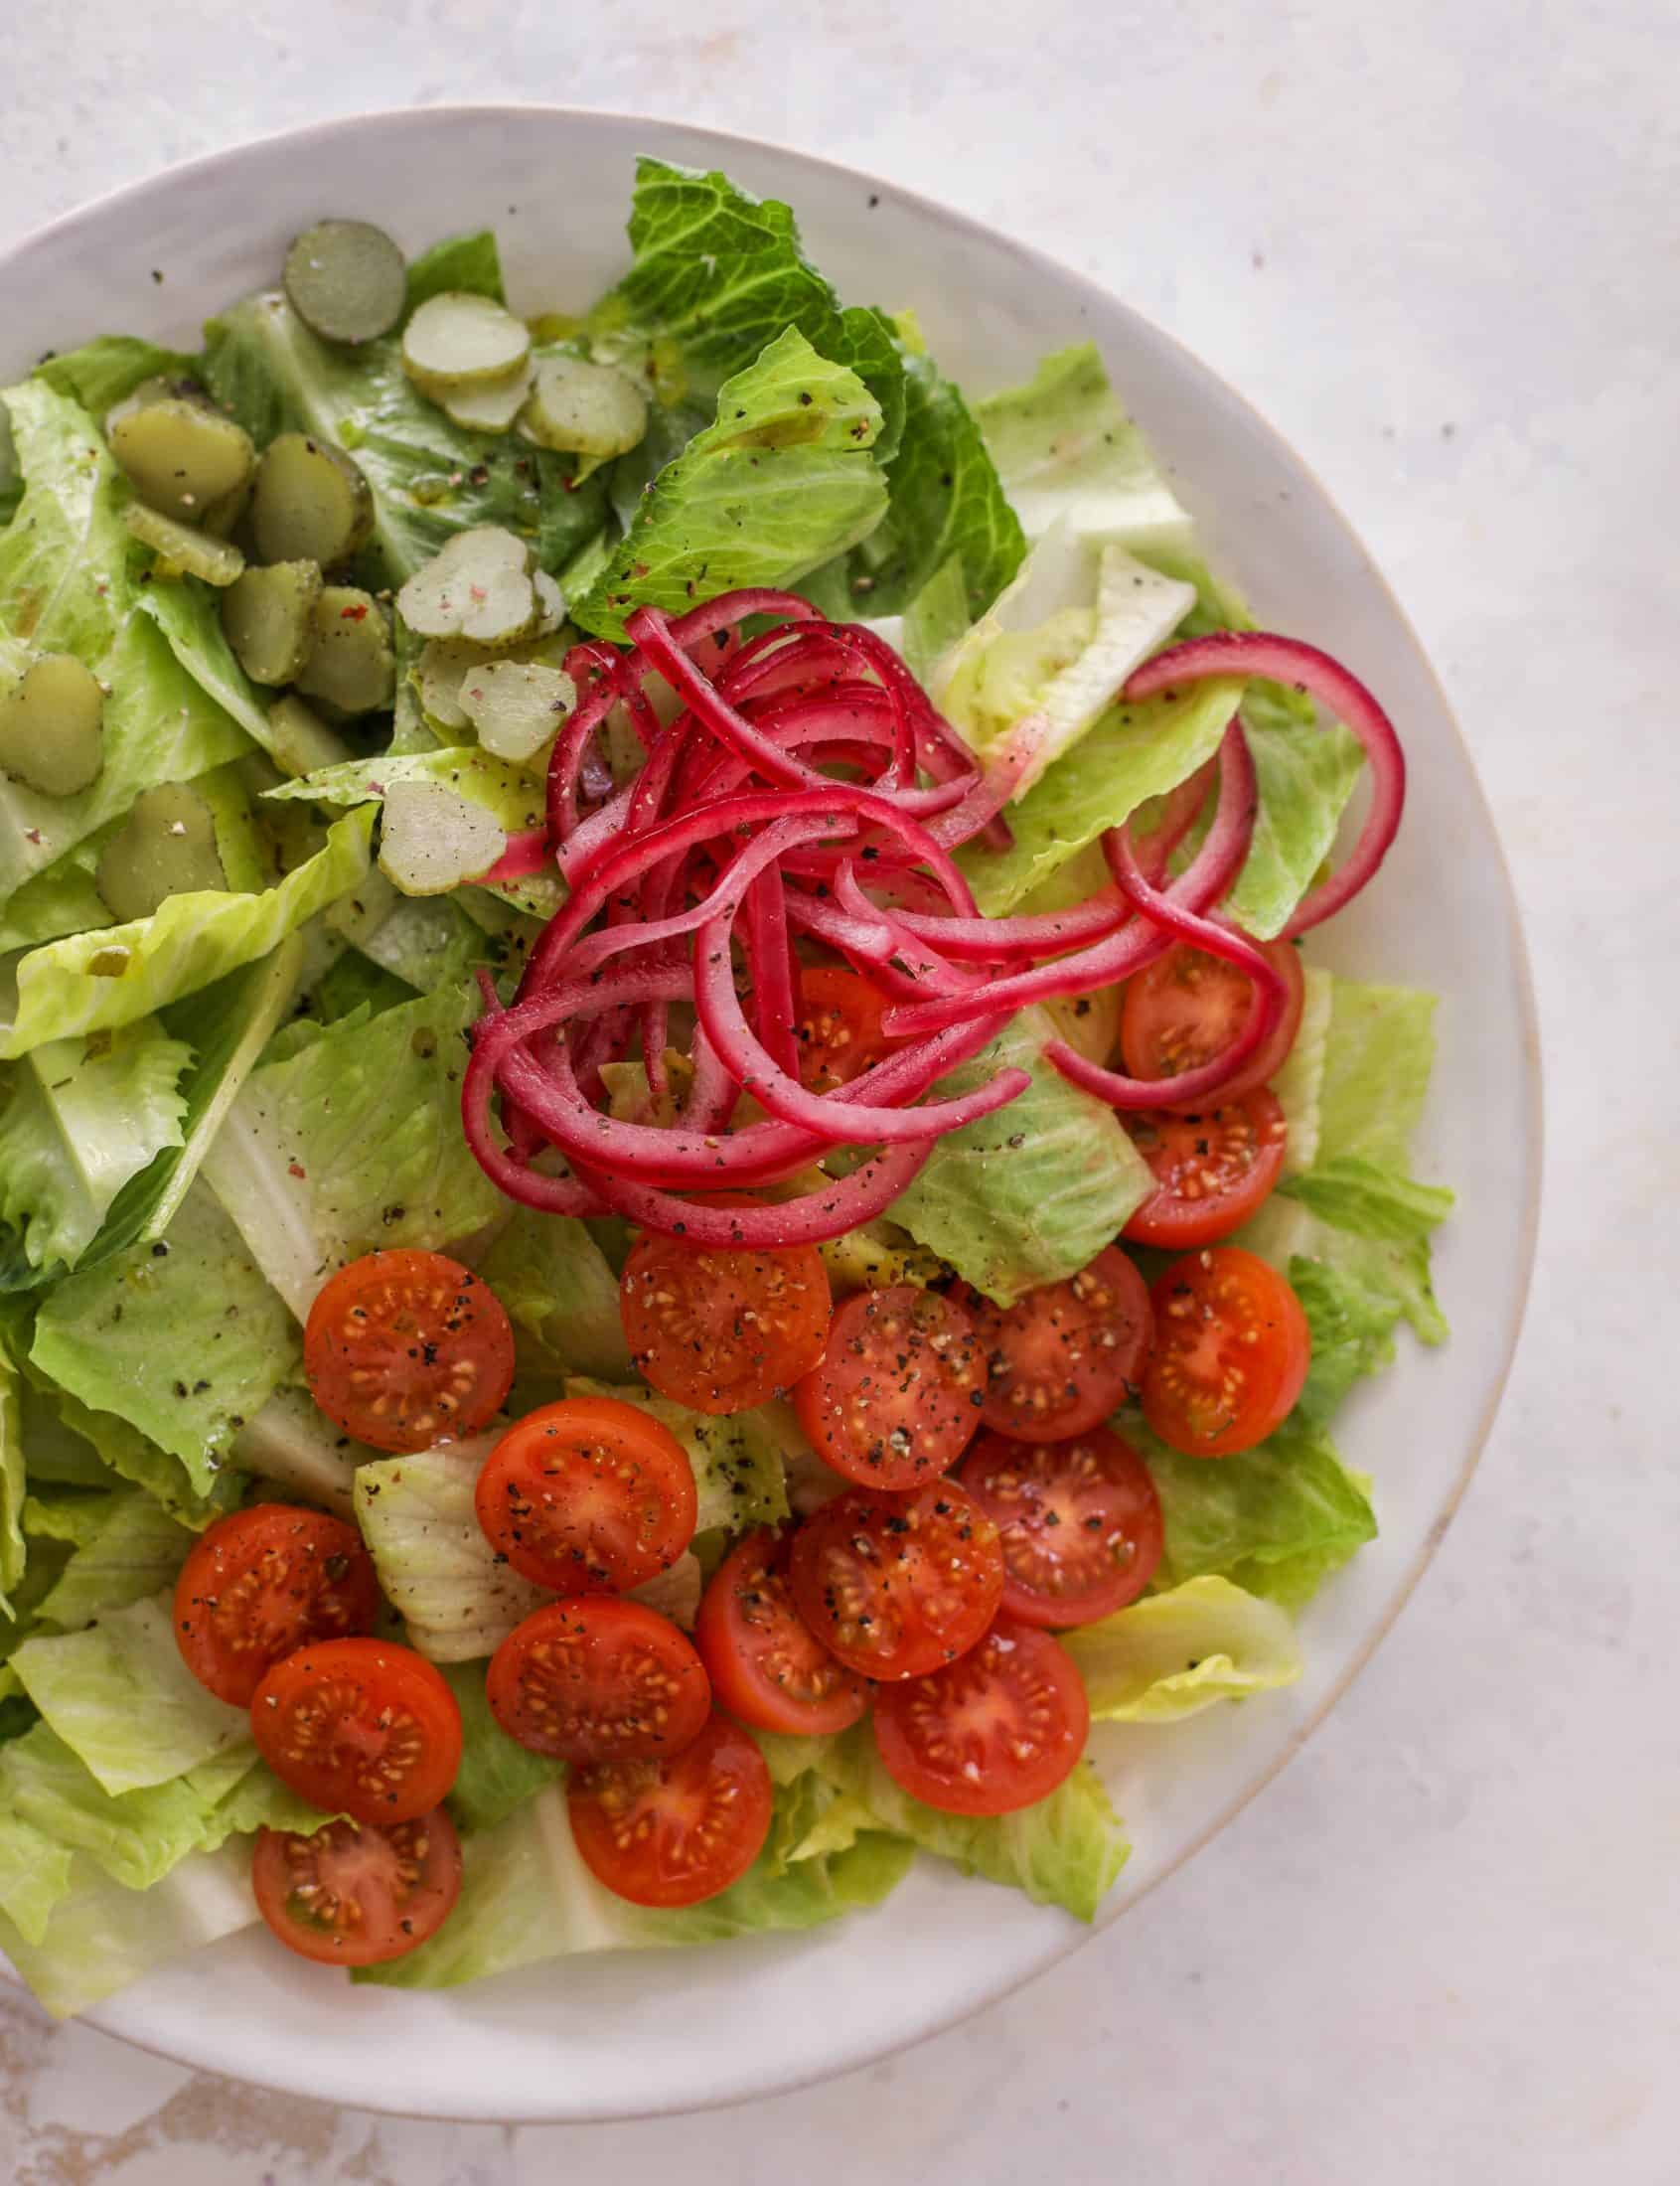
(839, 1031)
(1098, 1488)
(1158, 999)
(1247, 1139)
(722, 1766)
(913, 1736)
(539, 1497)
(867, 1568)
(746, 1613)
(1082, 1342)
(308, 1575)
(417, 1718)
(435, 1338)
(594, 1678)
(282, 1864)
(1276, 1363)
(906, 1352)
(722, 1331)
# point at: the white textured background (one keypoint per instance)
(1437, 241)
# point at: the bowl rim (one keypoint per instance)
(206, 166)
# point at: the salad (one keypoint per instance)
(674, 1191)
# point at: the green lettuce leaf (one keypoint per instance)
(354, 1142)
(945, 500)
(1065, 1851)
(1066, 450)
(1299, 1083)
(1029, 1195)
(131, 1547)
(189, 615)
(1174, 1653)
(14, 1485)
(512, 795)
(429, 479)
(83, 1116)
(1377, 1068)
(457, 1597)
(716, 277)
(780, 482)
(526, 1895)
(1044, 661)
(467, 264)
(123, 1701)
(67, 586)
(183, 1338)
(64, 900)
(496, 1773)
(561, 1296)
(1275, 1520)
(935, 619)
(292, 1443)
(103, 372)
(1130, 754)
(1304, 776)
(96, 981)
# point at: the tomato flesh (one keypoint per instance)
(721, 1330)
(1064, 1357)
(359, 1727)
(840, 1033)
(767, 1667)
(1080, 1524)
(407, 1349)
(1231, 1352)
(262, 1583)
(897, 1393)
(587, 1496)
(994, 1732)
(595, 1678)
(1187, 1008)
(898, 1585)
(1211, 1171)
(358, 1893)
(678, 1830)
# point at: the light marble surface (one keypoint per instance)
(1437, 245)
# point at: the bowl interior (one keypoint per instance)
(729, 2021)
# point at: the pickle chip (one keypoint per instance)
(432, 839)
(181, 548)
(586, 409)
(351, 665)
(345, 281)
(52, 725)
(457, 340)
(479, 587)
(165, 847)
(265, 618)
(310, 502)
(180, 453)
(516, 705)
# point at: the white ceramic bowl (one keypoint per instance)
(634, 2033)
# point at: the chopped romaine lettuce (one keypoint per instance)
(354, 1142)
(1275, 1520)
(1045, 661)
(496, 1773)
(183, 1338)
(1033, 1193)
(82, 1117)
(1376, 1071)
(1304, 776)
(783, 480)
(461, 265)
(14, 1485)
(1299, 1082)
(458, 1599)
(561, 1296)
(511, 794)
(1130, 754)
(96, 981)
(1066, 451)
(736, 1457)
(1174, 1653)
(129, 1548)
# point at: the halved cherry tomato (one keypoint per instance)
(996, 1731)
(1189, 1006)
(404, 1349)
(260, 1584)
(595, 1678)
(358, 1893)
(766, 1665)
(723, 1330)
(359, 1727)
(839, 1033)
(1080, 1523)
(1211, 1172)
(898, 1390)
(1232, 1349)
(1062, 1358)
(587, 1497)
(678, 1830)
(898, 1585)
